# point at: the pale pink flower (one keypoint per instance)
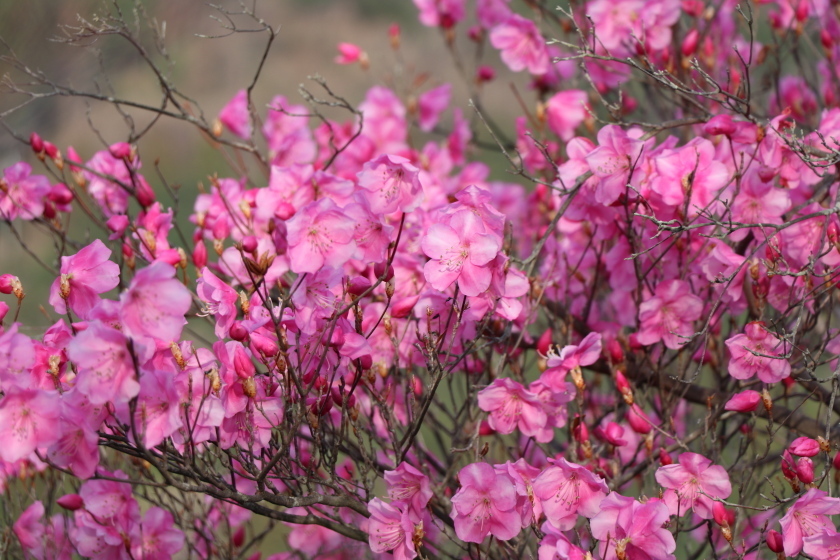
(159, 537)
(459, 257)
(689, 171)
(824, 545)
(565, 111)
(105, 366)
(391, 183)
(30, 421)
(753, 353)
(693, 484)
(220, 300)
(83, 276)
(510, 406)
(21, 193)
(631, 530)
(109, 181)
(612, 161)
(431, 104)
(567, 490)
(808, 516)
(485, 505)
(390, 529)
(556, 546)
(491, 13)
(409, 486)
(669, 315)
(521, 44)
(236, 115)
(758, 202)
(158, 413)
(155, 303)
(320, 234)
(28, 528)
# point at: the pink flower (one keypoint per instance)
(158, 407)
(690, 171)
(28, 528)
(320, 234)
(693, 483)
(391, 183)
(220, 300)
(440, 13)
(565, 111)
(431, 104)
(745, 401)
(808, 517)
(236, 116)
(567, 490)
(669, 315)
(391, 529)
(409, 486)
(521, 44)
(30, 421)
(824, 545)
(758, 202)
(804, 447)
(510, 406)
(106, 369)
(159, 538)
(462, 258)
(287, 132)
(155, 303)
(570, 357)
(83, 276)
(22, 194)
(485, 505)
(752, 353)
(555, 545)
(348, 53)
(631, 530)
(612, 162)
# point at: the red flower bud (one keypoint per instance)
(357, 286)
(238, 332)
(50, 150)
(380, 271)
(249, 244)
(664, 457)
(805, 470)
(239, 537)
(36, 143)
(485, 74)
(402, 308)
(638, 420)
(804, 447)
(689, 45)
(774, 541)
(6, 283)
(71, 502)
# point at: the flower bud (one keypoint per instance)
(6, 283)
(664, 457)
(199, 255)
(689, 45)
(403, 307)
(357, 286)
(638, 420)
(394, 35)
(804, 447)
(623, 387)
(51, 150)
(745, 401)
(71, 502)
(774, 541)
(242, 364)
(544, 342)
(36, 143)
(381, 272)
(249, 244)
(238, 332)
(120, 150)
(805, 470)
(144, 193)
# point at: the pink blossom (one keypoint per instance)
(83, 276)
(236, 115)
(669, 315)
(570, 357)
(693, 484)
(808, 516)
(556, 546)
(753, 353)
(565, 111)
(612, 162)
(28, 528)
(30, 421)
(510, 406)
(612, 433)
(220, 300)
(320, 234)
(391, 183)
(391, 529)
(485, 505)
(287, 132)
(155, 303)
(158, 407)
(567, 490)
(491, 13)
(159, 538)
(631, 530)
(804, 447)
(21, 193)
(440, 13)
(106, 369)
(823, 545)
(523, 476)
(758, 202)
(459, 257)
(522, 45)
(431, 104)
(745, 401)
(409, 486)
(689, 172)
(348, 53)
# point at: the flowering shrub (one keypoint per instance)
(627, 351)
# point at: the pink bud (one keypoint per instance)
(788, 466)
(544, 342)
(6, 281)
(485, 74)
(689, 45)
(249, 244)
(745, 401)
(719, 124)
(485, 430)
(199, 255)
(238, 332)
(664, 457)
(615, 353)
(71, 502)
(284, 211)
(144, 193)
(773, 250)
(720, 514)
(263, 344)
(49, 209)
(638, 420)
(836, 461)
(36, 143)
(239, 537)
(242, 364)
(693, 8)
(348, 53)
(120, 150)
(402, 308)
(357, 286)
(475, 33)
(611, 434)
(774, 541)
(826, 39)
(580, 432)
(366, 361)
(73, 157)
(60, 194)
(117, 224)
(803, 10)
(221, 229)
(50, 150)
(805, 470)
(804, 447)
(380, 271)
(171, 256)
(127, 251)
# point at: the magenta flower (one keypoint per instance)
(690, 169)
(485, 505)
(752, 354)
(83, 276)
(459, 257)
(106, 369)
(510, 406)
(631, 530)
(30, 421)
(693, 484)
(390, 529)
(391, 183)
(409, 486)
(320, 234)
(565, 111)
(22, 194)
(236, 116)
(807, 517)
(567, 490)
(431, 104)
(669, 315)
(155, 304)
(522, 45)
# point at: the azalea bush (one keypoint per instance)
(369, 344)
